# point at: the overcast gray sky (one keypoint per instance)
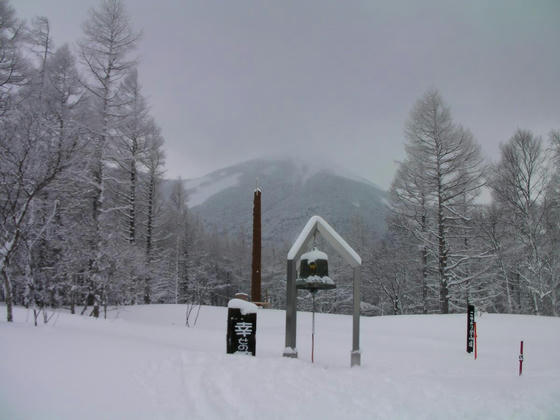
(331, 80)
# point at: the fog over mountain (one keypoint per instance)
(292, 191)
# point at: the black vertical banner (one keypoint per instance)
(470, 328)
(241, 332)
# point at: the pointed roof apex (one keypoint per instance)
(318, 224)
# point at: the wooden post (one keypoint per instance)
(521, 359)
(256, 264)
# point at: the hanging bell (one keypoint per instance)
(314, 271)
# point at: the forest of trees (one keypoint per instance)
(446, 247)
(87, 220)
(84, 220)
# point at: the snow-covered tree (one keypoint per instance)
(105, 52)
(152, 210)
(434, 190)
(409, 213)
(519, 185)
(32, 156)
(14, 70)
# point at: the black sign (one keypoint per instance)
(241, 332)
(470, 328)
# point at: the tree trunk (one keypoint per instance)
(147, 291)
(72, 298)
(150, 221)
(95, 311)
(396, 307)
(444, 289)
(535, 304)
(519, 302)
(132, 200)
(424, 280)
(553, 302)
(442, 252)
(507, 281)
(444, 297)
(8, 294)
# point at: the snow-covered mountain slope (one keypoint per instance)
(143, 363)
(293, 191)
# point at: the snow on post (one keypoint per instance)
(244, 306)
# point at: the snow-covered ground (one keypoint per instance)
(143, 363)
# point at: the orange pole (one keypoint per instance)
(313, 328)
(475, 342)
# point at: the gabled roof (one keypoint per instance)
(317, 223)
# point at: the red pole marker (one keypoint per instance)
(521, 359)
(313, 328)
(475, 342)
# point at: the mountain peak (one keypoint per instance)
(297, 169)
(293, 190)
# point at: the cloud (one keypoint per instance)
(230, 81)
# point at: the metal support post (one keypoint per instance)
(291, 314)
(355, 357)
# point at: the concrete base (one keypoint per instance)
(355, 358)
(289, 352)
